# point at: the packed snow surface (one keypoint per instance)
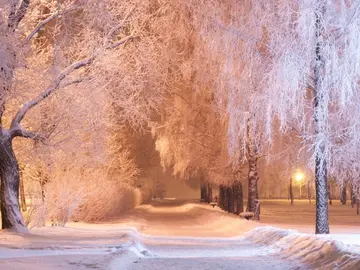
(171, 234)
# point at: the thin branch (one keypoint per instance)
(116, 28)
(242, 35)
(121, 41)
(56, 84)
(76, 81)
(47, 20)
(349, 22)
(30, 104)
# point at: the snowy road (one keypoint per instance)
(172, 235)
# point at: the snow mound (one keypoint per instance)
(316, 251)
(139, 250)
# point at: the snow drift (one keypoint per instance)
(316, 251)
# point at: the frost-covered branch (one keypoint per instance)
(48, 20)
(56, 84)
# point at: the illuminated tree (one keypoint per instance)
(98, 51)
(290, 64)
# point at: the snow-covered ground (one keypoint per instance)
(172, 234)
(301, 216)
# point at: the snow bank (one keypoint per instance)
(316, 251)
(192, 219)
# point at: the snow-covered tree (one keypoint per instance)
(312, 79)
(99, 52)
(290, 64)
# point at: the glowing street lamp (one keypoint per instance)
(299, 177)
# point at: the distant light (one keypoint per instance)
(299, 177)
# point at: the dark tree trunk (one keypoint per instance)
(322, 220)
(9, 172)
(234, 188)
(238, 197)
(230, 199)
(22, 192)
(253, 179)
(357, 200)
(257, 211)
(329, 194)
(352, 196)
(203, 192)
(226, 199)
(44, 178)
(291, 192)
(209, 194)
(320, 109)
(343, 195)
(309, 192)
(43, 181)
(253, 175)
(288, 194)
(221, 196)
(11, 217)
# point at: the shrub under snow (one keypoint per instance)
(82, 196)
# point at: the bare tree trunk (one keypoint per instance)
(43, 179)
(9, 171)
(209, 194)
(226, 199)
(230, 199)
(253, 175)
(253, 179)
(343, 194)
(202, 192)
(257, 211)
(221, 196)
(11, 217)
(352, 196)
(322, 220)
(309, 192)
(22, 192)
(291, 191)
(288, 194)
(320, 108)
(42, 186)
(238, 197)
(329, 194)
(357, 201)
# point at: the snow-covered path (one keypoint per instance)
(172, 235)
(134, 250)
(205, 254)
